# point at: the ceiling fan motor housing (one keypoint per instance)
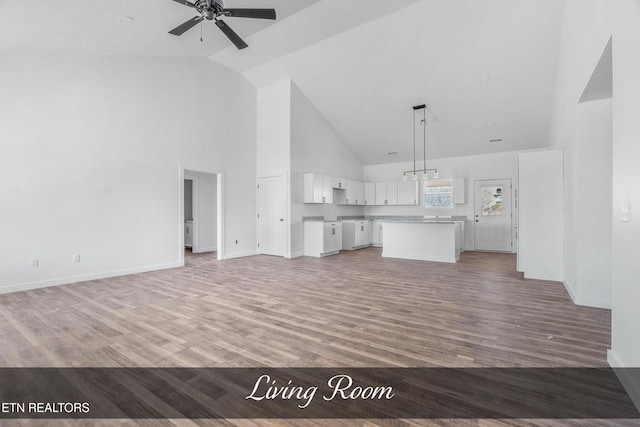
(209, 9)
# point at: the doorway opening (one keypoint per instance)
(201, 214)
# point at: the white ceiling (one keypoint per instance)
(363, 63)
(92, 27)
(434, 52)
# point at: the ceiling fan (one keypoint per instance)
(214, 9)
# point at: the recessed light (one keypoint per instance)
(490, 125)
(125, 19)
(484, 79)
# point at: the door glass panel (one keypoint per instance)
(492, 201)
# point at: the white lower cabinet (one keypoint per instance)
(322, 238)
(355, 234)
(376, 233)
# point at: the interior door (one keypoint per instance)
(493, 215)
(272, 218)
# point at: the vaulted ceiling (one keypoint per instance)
(484, 68)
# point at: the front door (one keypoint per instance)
(493, 215)
(272, 221)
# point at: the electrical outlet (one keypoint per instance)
(76, 259)
(33, 263)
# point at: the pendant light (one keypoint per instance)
(423, 123)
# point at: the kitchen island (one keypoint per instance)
(425, 240)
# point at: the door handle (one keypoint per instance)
(477, 220)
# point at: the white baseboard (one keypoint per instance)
(84, 278)
(586, 301)
(204, 250)
(630, 378)
(570, 291)
(240, 255)
(594, 302)
(296, 255)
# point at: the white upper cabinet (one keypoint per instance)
(339, 183)
(392, 192)
(354, 194)
(318, 188)
(369, 194)
(381, 193)
(359, 193)
(408, 192)
(387, 193)
(350, 198)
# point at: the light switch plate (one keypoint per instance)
(625, 213)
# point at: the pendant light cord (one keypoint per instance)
(414, 142)
(424, 137)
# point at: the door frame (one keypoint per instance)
(513, 219)
(220, 222)
(287, 210)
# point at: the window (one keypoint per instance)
(438, 194)
(491, 201)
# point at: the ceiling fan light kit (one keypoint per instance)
(213, 10)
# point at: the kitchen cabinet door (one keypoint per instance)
(381, 193)
(318, 188)
(360, 193)
(369, 193)
(392, 192)
(407, 192)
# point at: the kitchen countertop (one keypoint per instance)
(396, 218)
(423, 221)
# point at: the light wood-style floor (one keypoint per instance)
(355, 309)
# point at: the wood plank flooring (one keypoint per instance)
(355, 309)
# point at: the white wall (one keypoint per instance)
(294, 139)
(588, 217)
(471, 168)
(315, 147)
(588, 25)
(90, 155)
(540, 215)
(274, 129)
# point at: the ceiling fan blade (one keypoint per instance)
(235, 39)
(185, 2)
(250, 13)
(182, 28)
